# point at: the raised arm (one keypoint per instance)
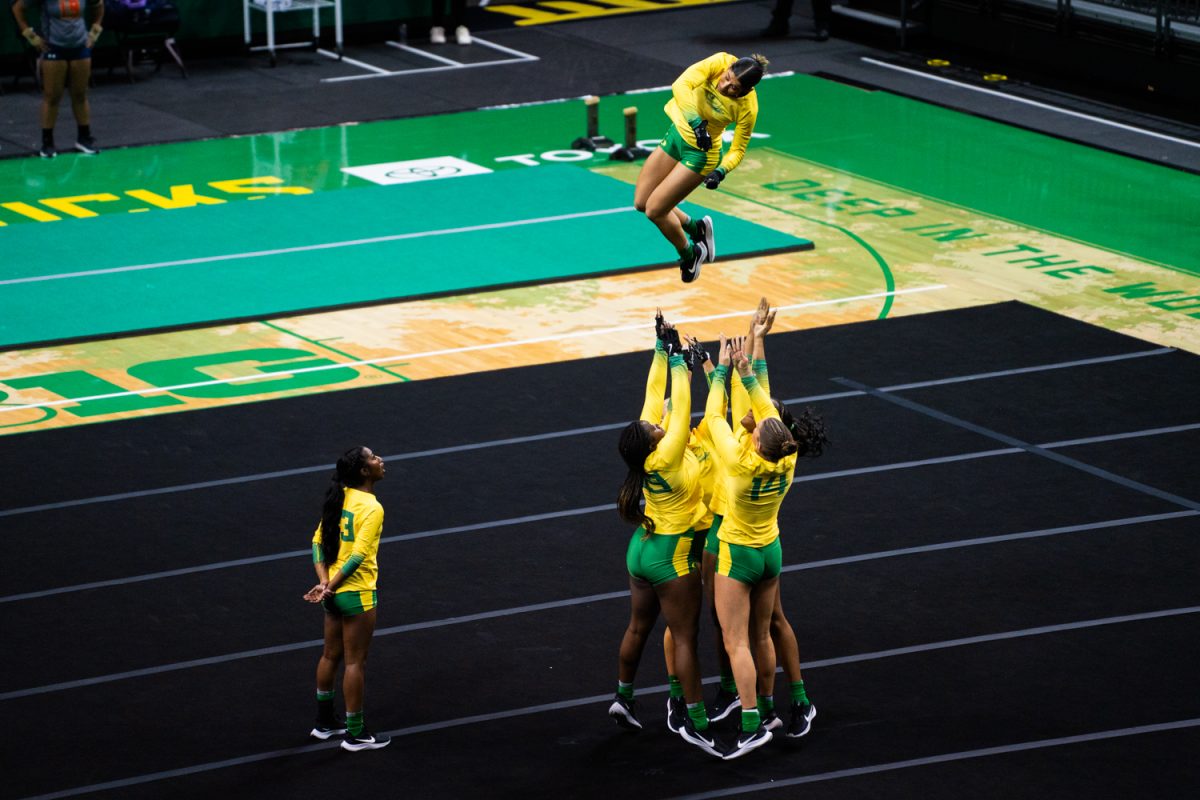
(679, 425)
(759, 328)
(656, 382)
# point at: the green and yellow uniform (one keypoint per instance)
(695, 99)
(358, 550)
(672, 483)
(754, 487)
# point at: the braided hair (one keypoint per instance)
(634, 446)
(775, 440)
(808, 430)
(348, 473)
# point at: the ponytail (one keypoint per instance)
(634, 446)
(347, 473)
(331, 521)
(808, 430)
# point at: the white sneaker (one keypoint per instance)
(437, 35)
(462, 35)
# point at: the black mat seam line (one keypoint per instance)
(553, 605)
(583, 701)
(275, 315)
(944, 758)
(541, 517)
(1014, 442)
(615, 426)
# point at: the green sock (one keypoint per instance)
(766, 705)
(750, 720)
(699, 715)
(686, 252)
(728, 684)
(691, 228)
(676, 686)
(625, 690)
(798, 694)
(325, 706)
(354, 722)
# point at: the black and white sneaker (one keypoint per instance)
(326, 730)
(624, 713)
(704, 233)
(702, 739)
(723, 705)
(802, 716)
(87, 146)
(689, 267)
(365, 741)
(48, 151)
(771, 721)
(676, 714)
(747, 742)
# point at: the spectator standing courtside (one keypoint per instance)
(64, 43)
(822, 11)
(449, 14)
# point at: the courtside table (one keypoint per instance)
(297, 5)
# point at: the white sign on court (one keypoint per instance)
(421, 169)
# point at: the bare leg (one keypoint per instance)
(80, 74)
(54, 81)
(787, 649)
(356, 638)
(762, 600)
(643, 613)
(709, 567)
(660, 206)
(680, 600)
(331, 656)
(733, 609)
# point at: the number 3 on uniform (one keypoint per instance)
(347, 526)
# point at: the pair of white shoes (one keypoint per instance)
(437, 35)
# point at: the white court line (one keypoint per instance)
(351, 61)
(591, 332)
(417, 51)
(1035, 103)
(563, 705)
(518, 58)
(944, 758)
(612, 426)
(322, 246)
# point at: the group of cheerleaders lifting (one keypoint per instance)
(706, 503)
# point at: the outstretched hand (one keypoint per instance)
(763, 327)
(737, 353)
(695, 354)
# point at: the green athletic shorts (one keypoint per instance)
(711, 543)
(351, 603)
(750, 565)
(659, 557)
(699, 161)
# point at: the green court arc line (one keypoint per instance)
(49, 413)
(1028, 226)
(324, 346)
(889, 280)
